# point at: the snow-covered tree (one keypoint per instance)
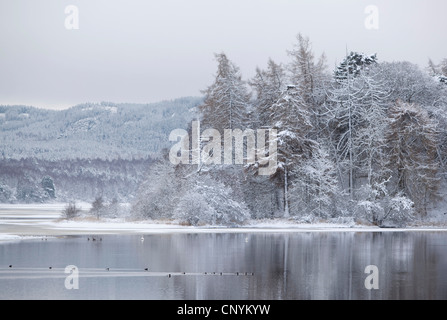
(71, 211)
(6, 193)
(379, 207)
(227, 100)
(353, 64)
(306, 73)
(290, 117)
(209, 201)
(345, 114)
(370, 134)
(262, 195)
(314, 185)
(439, 71)
(357, 119)
(98, 207)
(412, 143)
(407, 82)
(268, 86)
(411, 85)
(309, 75)
(158, 194)
(48, 187)
(399, 209)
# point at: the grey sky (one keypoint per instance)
(145, 50)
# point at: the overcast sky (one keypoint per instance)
(149, 50)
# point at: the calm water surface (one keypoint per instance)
(304, 265)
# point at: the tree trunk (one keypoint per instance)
(351, 165)
(286, 195)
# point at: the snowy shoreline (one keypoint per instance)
(21, 221)
(278, 225)
(66, 228)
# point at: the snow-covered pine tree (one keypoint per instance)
(261, 193)
(306, 73)
(48, 187)
(310, 77)
(408, 83)
(314, 186)
(227, 100)
(344, 115)
(158, 194)
(268, 86)
(357, 116)
(353, 64)
(98, 207)
(370, 136)
(291, 119)
(412, 142)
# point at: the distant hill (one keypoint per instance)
(85, 151)
(92, 131)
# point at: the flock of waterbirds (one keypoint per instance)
(144, 271)
(128, 272)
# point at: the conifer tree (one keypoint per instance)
(412, 143)
(227, 101)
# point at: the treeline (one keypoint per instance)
(366, 141)
(36, 181)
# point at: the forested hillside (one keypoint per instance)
(89, 131)
(86, 151)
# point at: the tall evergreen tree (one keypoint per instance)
(306, 73)
(291, 119)
(357, 118)
(227, 101)
(353, 64)
(314, 185)
(268, 86)
(412, 142)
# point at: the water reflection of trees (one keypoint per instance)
(308, 265)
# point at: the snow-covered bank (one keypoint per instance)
(15, 237)
(9, 237)
(27, 221)
(154, 227)
(61, 228)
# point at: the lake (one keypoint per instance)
(254, 265)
